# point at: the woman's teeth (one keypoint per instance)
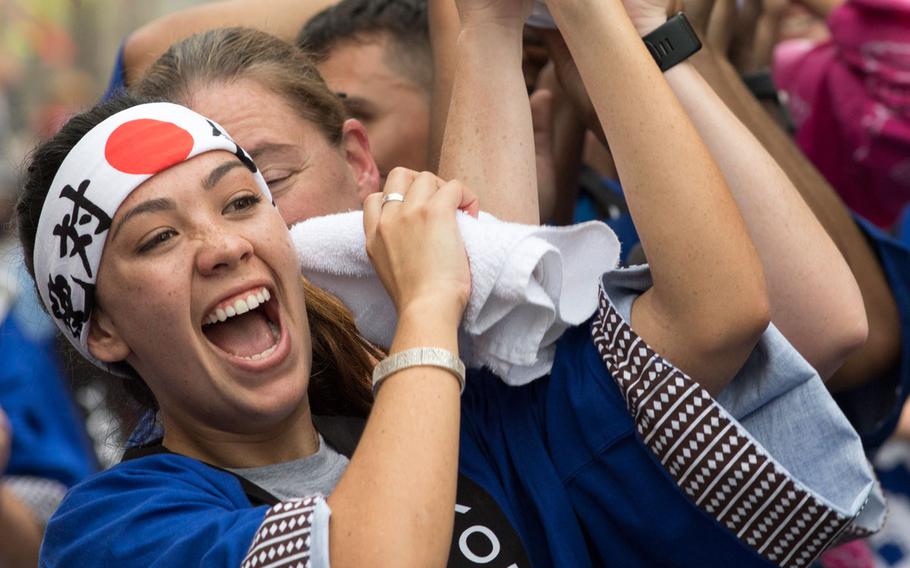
(238, 306)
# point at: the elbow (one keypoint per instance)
(842, 330)
(747, 329)
(135, 52)
(853, 334)
(143, 46)
(847, 337)
(741, 326)
(744, 312)
(730, 333)
(745, 325)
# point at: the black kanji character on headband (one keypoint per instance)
(238, 151)
(61, 297)
(215, 131)
(82, 214)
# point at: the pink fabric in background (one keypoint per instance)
(850, 99)
(854, 554)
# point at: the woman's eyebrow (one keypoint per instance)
(150, 206)
(219, 172)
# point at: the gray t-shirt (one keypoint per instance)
(313, 474)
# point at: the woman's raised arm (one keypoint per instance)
(815, 301)
(394, 504)
(489, 139)
(282, 18)
(709, 303)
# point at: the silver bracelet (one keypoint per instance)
(418, 357)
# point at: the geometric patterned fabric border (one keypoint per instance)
(705, 450)
(283, 538)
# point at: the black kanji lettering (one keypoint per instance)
(238, 151)
(62, 308)
(72, 241)
(246, 160)
(215, 131)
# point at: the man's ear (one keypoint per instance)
(104, 341)
(356, 147)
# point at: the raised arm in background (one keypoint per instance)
(814, 298)
(822, 8)
(489, 139)
(881, 351)
(282, 18)
(708, 305)
(444, 28)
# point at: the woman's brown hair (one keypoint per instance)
(226, 55)
(342, 358)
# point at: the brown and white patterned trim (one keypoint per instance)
(283, 538)
(708, 453)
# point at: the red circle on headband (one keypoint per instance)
(146, 146)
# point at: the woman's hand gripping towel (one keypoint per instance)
(528, 285)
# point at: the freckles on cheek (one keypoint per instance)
(150, 289)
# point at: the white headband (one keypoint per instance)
(98, 174)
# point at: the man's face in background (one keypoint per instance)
(380, 91)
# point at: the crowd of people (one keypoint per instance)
(469, 282)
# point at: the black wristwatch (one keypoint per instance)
(674, 41)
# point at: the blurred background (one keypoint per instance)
(55, 58)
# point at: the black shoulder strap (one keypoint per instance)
(257, 495)
(341, 432)
(481, 528)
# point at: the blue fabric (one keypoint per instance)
(159, 510)
(875, 408)
(48, 438)
(903, 228)
(117, 84)
(892, 545)
(561, 457)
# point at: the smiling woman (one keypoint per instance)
(343, 358)
(173, 269)
(170, 266)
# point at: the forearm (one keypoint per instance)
(282, 18)
(22, 533)
(766, 34)
(444, 27)
(708, 304)
(815, 301)
(489, 140)
(881, 351)
(394, 506)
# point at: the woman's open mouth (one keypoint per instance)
(247, 327)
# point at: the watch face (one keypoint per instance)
(672, 42)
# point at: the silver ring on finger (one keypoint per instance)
(391, 197)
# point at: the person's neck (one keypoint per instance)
(292, 439)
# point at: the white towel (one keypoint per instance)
(528, 285)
